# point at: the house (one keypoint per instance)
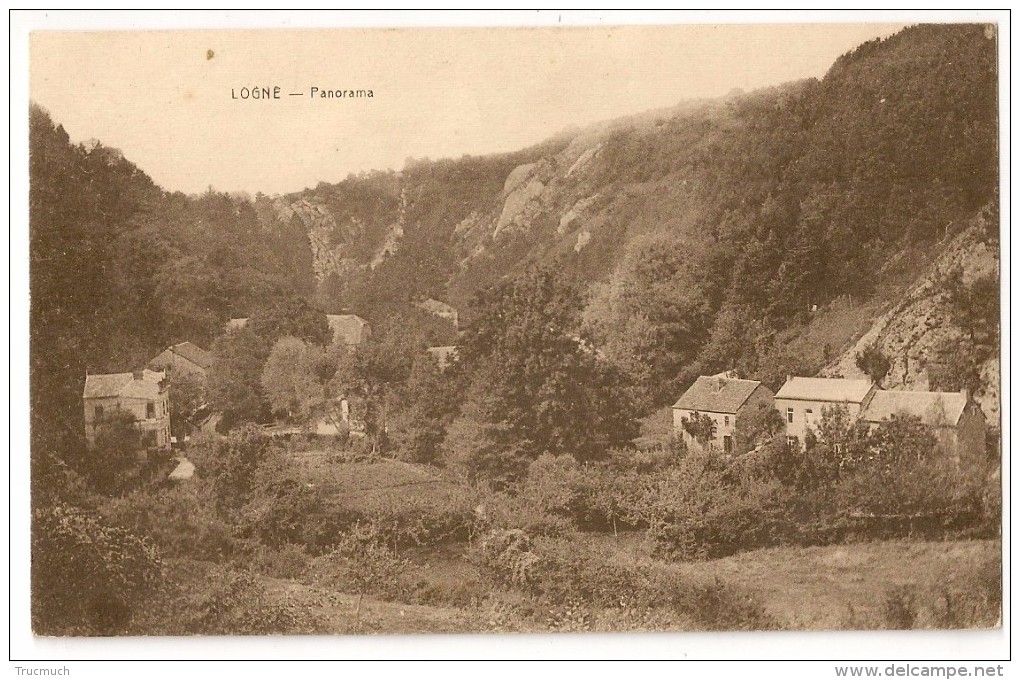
(726, 401)
(348, 329)
(956, 419)
(144, 394)
(800, 401)
(444, 355)
(184, 357)
(440, 309)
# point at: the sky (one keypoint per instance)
(167, 98)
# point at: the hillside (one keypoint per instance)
(760, 211)
(763, 232)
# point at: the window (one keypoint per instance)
(726, 421)
(99, 413)
(727, 444)
(808, 412)
(791, 441)
(789, 415)
(150, 410)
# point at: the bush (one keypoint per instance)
(221, 601)
(576, 577)
(229, 464)
(699, 510)
(288, 561)
(360, 562)
(88, 578)
(176, 519)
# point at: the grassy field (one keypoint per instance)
(826, 588)
(852, 586)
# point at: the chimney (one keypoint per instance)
(966, 394)
(789, 377)
(138, 375)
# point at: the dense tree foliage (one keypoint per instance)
(119, 269)
(235, 378)
(548, 390)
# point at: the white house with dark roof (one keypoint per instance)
(143, 394)
(957, 420)
(800, 401)
(725, 401)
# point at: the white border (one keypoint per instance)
(966, 645)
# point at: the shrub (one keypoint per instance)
(576, 580)
(698, 510)
(88, 578)
(229, 464)
(220, 601)
(176, 519)
(288, 561)
(360, 562)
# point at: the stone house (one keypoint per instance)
(957, 420)
(184, 357)
(800, 401)
(726, 401)
(143, 394)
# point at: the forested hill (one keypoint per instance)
(708, 233)
(119, 268)
(704, 235)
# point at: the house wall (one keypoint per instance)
(160, 424)
(807, 413)
(725, 423)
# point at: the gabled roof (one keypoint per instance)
(124, 385)
(938, 409)
(347, 328)
(193, 353)
(716, 394)
(825, 389)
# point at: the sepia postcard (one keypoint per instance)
(626, 324)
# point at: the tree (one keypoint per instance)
(904, 438)
(838, 437)
(187, 394)
(655, 313)
(291, 379)
(290, 316)
(428, 403)
(757, 428)
(545, 385)
(873, 362)
(235, 378)
(700, 426)
(230, 464)
(113, 461)
(367, 376)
